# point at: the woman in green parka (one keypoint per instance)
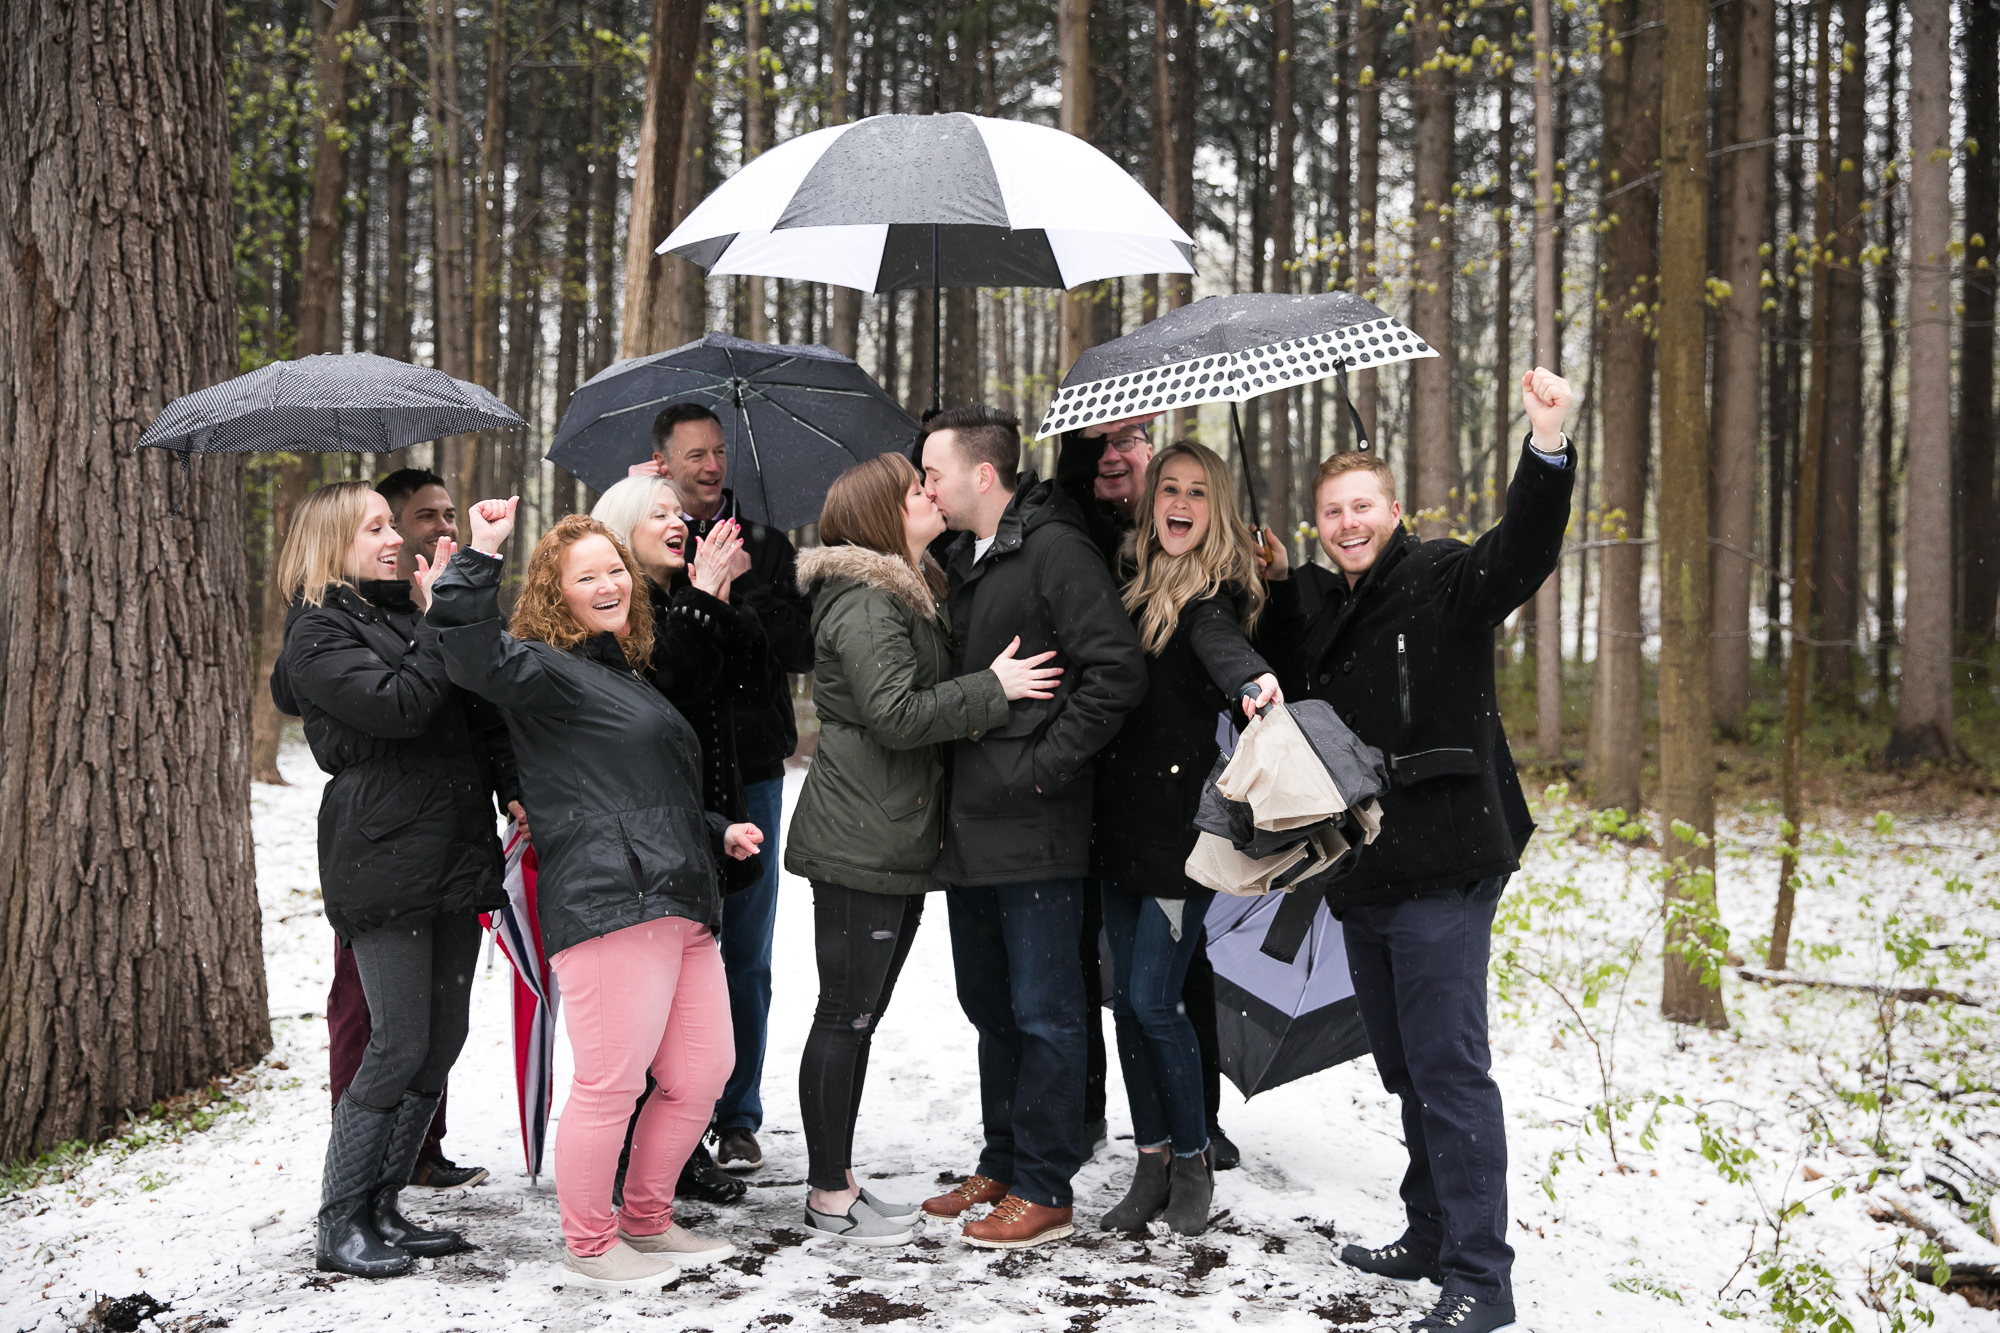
(867, 828)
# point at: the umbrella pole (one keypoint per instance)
(1249, 477)
(1360, 431)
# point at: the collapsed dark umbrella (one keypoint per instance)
(951, 200)
(1229, 349)
(1277, 1021)
(793, 418)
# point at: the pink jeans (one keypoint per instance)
(650, 995)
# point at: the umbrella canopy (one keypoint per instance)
(517, 928)
(950, 200)
(1279, 1021)
(793, 418)
(353, 402)
(1228, 349)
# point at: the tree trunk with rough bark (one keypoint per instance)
(844, 324)
(1547, 606)
(130, 936)
(670, 60)
(1923, 728)
(1979, 516)
(1073, 117)
(1744, 181)
(1631, 89)
(756, 138)
(1886, 276)
(394, 339)
(1691, 984)
(1278, 513)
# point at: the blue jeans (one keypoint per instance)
(1419, 971)
(1014, 950)
(748, 919)
(1156, 1041)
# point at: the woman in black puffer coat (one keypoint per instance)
(407, 852)
(628, 892)
(1194, 597)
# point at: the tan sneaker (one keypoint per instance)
(620, 1268)
(681, 1245)
(1015, 1224)
(975, 1190)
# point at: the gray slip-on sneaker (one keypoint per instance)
(620, 1268)
(906, 1214)
(859, 1226)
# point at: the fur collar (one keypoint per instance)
(870, 568)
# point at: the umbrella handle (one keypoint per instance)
(1251, 691)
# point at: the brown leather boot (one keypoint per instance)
(975, 1190)
(1015, 1224)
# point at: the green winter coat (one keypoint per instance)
(869, 817)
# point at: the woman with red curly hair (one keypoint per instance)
(629, 897)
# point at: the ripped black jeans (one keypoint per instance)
(861, 940)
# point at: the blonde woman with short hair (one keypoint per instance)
(1195, 597)
(407, 854)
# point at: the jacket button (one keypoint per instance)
(920, 800)
(1347, 666)
(1324, 677)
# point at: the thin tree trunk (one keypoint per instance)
(1786, 385)
(1978, 515)
(1074, 117)
(1885, 384)
(525, 278)
(844, 324)
(130, 936)
(670, 61)
(574, 310)
(319, 296)
(1691, 984)
(755, 141)
(1745, 187)
(447, 190)
(490, 204)
(397, 308)
(1368, 194)
(1284, 166)
(1805, 514)
(1837, 582)
(1433, 445)
(1923, 704)
(687, 282)
(1548, 354)
(604, 135)
(1630, 83)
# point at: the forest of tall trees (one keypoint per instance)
(1757, 235)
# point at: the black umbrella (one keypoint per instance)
(793, 419)
(1275, 1020)
(1229, 349)
(331, 403)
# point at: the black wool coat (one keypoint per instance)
(610, 772)
(1021, 793)
(710, 658)
(767, 731)
(1406, 659)
(406, 825)
(1150, 778)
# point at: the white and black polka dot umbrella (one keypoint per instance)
(1228, 349)
(951, 200)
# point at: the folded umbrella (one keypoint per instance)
(1277, 1019)
(951, 200)
(518, 931)
(793, 418)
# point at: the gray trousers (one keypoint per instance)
(418, 980)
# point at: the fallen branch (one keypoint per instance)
(1911, 994)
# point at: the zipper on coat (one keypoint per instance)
(1403, 677)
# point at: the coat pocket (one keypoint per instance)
(1410, 769)
(393, 808)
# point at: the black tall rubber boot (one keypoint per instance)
(1191, 1189)
(346, 1241)
(399, 1159)
(1144, 1200)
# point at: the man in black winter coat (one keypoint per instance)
(688, 446)
(1402, 647)
(1017, 831)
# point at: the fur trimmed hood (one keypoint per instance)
(872, 569)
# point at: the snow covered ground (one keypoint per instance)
(216, 1221)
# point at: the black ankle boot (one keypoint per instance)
(704, 1181)
(1144, 1201)
(1190, 1190)
(399, 1159)
(1401, 1260)
(346, 1241)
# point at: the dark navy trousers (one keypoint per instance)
(1419, 970)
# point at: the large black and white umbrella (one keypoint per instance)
(1279, 1019)
(793, 418)
(951, 200)
(1228, 349)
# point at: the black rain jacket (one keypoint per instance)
(1021, 793)
(406, 825)
(610, 772)
(1406, 658)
